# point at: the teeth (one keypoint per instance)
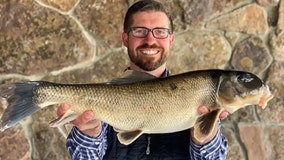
(150, 52)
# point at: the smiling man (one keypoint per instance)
(148, 52)
(148, 36)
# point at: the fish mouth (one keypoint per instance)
(266, 97)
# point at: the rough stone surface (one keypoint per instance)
(62, 5)
(196, 13)
(212, 49)
(277, 44)
(232, 37)
(281, 15)
(235, 149)
(273, 113)
(252, 136)
(14, 144)
(268, 3)
(250, 19)
(92, 74)
(30, 36)
(251, 55)
(42, 136)
(108, 27)
(78, 41)
(275, 140)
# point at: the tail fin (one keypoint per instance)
(19, 97)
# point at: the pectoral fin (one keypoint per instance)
(62, 129)
(67, 117)
(205, 125)
(127, 137)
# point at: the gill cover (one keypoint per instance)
(238, 84)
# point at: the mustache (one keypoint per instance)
(148, 46)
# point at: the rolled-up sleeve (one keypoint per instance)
(215, 149)
(82, 146)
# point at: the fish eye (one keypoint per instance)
(249, 80)
(244, 78)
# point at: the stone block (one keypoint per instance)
(251, 55)
(252, 136)
(250, 19)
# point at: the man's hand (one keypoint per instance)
(204, 110)
(85, 122)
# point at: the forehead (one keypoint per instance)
(151, 19)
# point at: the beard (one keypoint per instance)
(148, 63)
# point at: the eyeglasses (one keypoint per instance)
(142, 32)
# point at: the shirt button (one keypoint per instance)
(203, 152)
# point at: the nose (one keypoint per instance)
(150, 39)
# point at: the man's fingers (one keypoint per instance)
(62, 109)
(90, 125)
(202, 110)
(92, 128)
(223, 115)
(84, 118)
(84, 122)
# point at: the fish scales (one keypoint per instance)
(136, 106)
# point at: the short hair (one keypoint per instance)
(145, 5)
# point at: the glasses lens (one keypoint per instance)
(160, 32)
(139, 32)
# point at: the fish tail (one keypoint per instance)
(20, 102)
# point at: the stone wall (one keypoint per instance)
(78, 41)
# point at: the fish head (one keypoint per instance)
(238, 89)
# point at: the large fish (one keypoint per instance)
(136, 106)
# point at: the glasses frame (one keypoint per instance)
(169, 32)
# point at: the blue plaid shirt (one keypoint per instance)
(84, 147)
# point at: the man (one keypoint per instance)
(148, 37)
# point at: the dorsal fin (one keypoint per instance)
(131, 76)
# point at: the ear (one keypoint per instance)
(172, 39)
(124, 37)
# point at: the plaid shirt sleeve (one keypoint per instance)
(82, 146)
(215, 149)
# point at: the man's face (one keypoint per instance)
(148, 53)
